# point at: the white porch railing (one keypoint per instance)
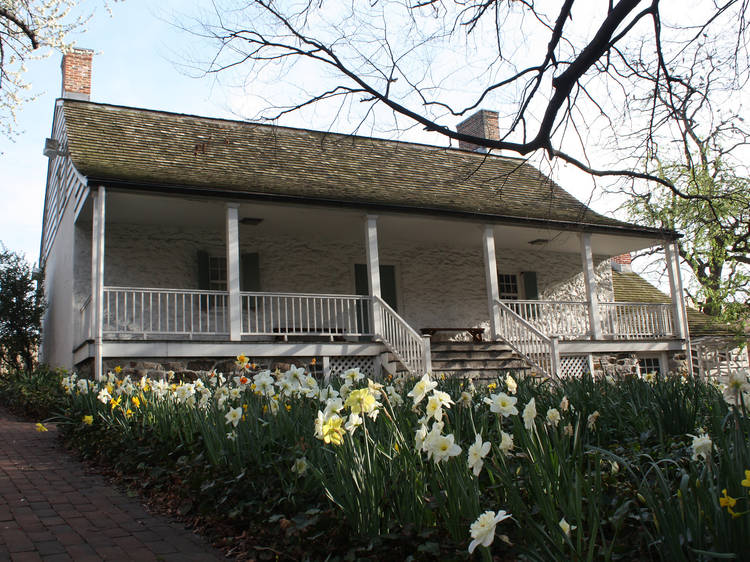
(408, 346)
(298, 314)
(565, 319)
(633, 320)
(164, 311)
(538, 349)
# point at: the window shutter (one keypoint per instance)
(250, 272)
(531, 291)
(203, 279)
(388, 285)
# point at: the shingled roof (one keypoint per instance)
(631, 287)
(148, 148)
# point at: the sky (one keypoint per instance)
(139, 61)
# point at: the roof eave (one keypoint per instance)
(644, 232)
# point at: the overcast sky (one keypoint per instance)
(134, 64)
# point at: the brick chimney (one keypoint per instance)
(76, 74)
(622, 263)
(481, 124)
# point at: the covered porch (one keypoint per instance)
(161, 269)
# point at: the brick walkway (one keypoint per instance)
(51, 510)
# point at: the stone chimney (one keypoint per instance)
(481, 124)
(76, 74)
(622, 263)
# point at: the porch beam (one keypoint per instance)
(589, 278)
(97, 276)
(233, 272)
(493, 287)
(373, 268)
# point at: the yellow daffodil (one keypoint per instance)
(40, 427)
(114, 403)
(727, 500)
(118, 370)
(332, 430)
(128, 413)
(746, 481)
(88, 420)
(136, 402)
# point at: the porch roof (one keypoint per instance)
(631, 287)
(156, 150)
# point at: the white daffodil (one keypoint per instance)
(263, 382)
(420, 390)
(465, 399)
(483, 529)
(444, 447)
(511, 384)
(553, 417)
(352, 376)
(502, 404)
(591, 420)
(104, 396)
(701, 446)
(566, 527)
(506, 443)
(234, 415)
(529, 413)
(300, 466)
(354, 421)
(394, 397)
(477, 451)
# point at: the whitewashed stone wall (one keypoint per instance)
(435, 286)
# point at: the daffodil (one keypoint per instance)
(529, 413)
(553, 417)
(362, 401)
(591, 420)
(502, 404)
(136, 401)
(506, 443)
(115, 402)
(40, 428)
(442, 447)
(234, 415)
(420, 390)
(566, 527)
(746, 481)
(726, 500)
(300, 466)
(511, 384)
(88, 420)
(701, 446)
(483, 529)
(477, 451)
(332, 430)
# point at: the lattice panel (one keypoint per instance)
(340, 365)
(574, 365)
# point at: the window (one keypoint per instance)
(217, 273)
(649, 365)
(508, 283)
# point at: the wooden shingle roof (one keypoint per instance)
(153, 148)
(631, 287)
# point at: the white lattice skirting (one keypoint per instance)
(340, 365)
(574, 365)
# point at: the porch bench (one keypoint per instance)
(475, 333)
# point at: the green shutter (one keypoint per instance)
(387, 283)
(530, 289)
(250, 272)
(203, 278)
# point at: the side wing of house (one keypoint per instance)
(64, 196)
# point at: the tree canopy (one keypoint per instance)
(21, 309)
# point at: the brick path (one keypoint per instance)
(51, 510)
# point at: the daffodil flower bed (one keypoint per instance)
(582, 469)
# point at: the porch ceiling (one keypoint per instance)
(338, 223)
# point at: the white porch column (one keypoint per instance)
(673, 267)
(233, 272)
(589, 279)
(97, 276)
(493, 288)
(674, 257)
(373, 267)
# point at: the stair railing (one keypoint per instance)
(410, 348)
(535, 347)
